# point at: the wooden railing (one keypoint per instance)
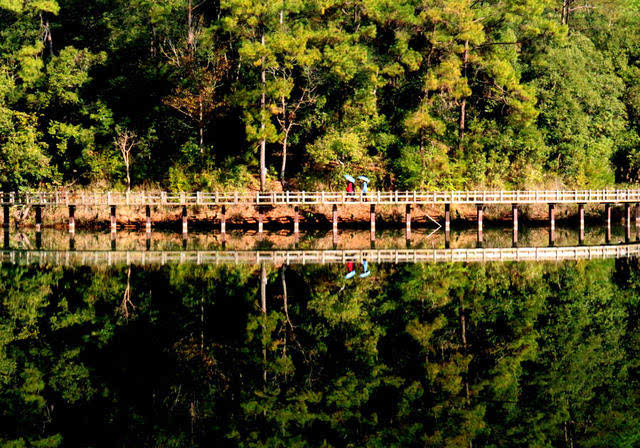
(279, 257)
(142, 198)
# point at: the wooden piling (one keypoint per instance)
(6, 239)
(223, 220)
(514, 214)
(607, 213)
(72, 218)
(260, 220)
(185, 223)
(38, 218)
(335, 219)
(552, 224)
(114, 241)
(581, 217)
(114, 219)
(372, 216)
(637, 220)
(6, 216)
(148, 241)
(627, 222)
(296, 220)
(38, 240)
(147, 210)
(447, 225)
(407, 220)
(479, 213)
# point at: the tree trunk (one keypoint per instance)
(284, 140)
(47, 37)
(463, 335)
(284, 157)
(190, 34)
(284, 121)
(463, 104)
(128, 176)
(201, 122)
(564, 14)
(263, 300)
(263, 140)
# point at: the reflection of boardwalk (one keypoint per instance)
(278, 257)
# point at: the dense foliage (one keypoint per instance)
(188, 94)
(541, 354)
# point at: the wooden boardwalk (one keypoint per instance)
(289, 257)
(297, 199)
(148, 198)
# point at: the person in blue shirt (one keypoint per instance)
(365, 184)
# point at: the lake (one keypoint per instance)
(265, 350)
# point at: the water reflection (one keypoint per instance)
(448, 354)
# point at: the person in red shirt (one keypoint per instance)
(350, 187)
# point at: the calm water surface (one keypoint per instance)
(447, 354)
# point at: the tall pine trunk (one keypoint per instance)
(263, 140)
(201, 121)
(463, 104)
(284, 118)
(284, 142)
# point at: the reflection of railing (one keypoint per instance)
(277, 257)
(143, 198)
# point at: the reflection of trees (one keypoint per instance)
(435, 355)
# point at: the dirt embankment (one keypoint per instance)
(312, 216)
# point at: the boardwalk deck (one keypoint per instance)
(279, 257)
(294, 198)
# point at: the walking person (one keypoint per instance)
(350, 185)
(365, 185)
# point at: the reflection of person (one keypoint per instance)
(351, 271)
(365, 268)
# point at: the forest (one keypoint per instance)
(294, 94)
